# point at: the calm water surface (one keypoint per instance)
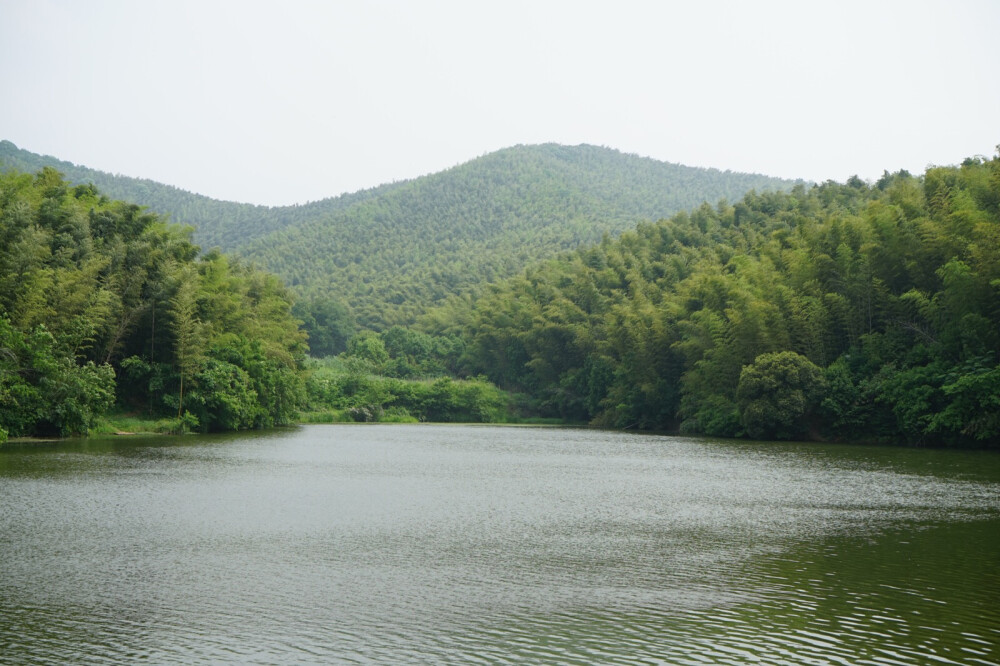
(438, 544)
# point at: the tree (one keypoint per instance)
(777, 393)
(83, 281)
(328, 323)
(42, 390)
(368, 347)
(187, 330)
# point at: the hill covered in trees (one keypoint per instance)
(381, 257)
(848, 311)
(221, 224)
(392, 256)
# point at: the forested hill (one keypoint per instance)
(850, 311)
(395, 250)
(393, 255)
(222, 224)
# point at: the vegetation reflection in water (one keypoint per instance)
(461, 544)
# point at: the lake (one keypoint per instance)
(478, 544)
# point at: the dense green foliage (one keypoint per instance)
(842, 311)
(381, 257)
(351, 396)
(44, 391)
(400, 375)
(776, 394)
(222, 224)
(392, 256)
(101, 301)
(847, 311)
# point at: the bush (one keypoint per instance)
(364, 397)
(398, 415)
(43, 391)
(324, 416)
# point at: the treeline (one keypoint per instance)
(390, 257)
(838, 311)
(402, 375)
(102, 303)
(222, 224)
(382, 257)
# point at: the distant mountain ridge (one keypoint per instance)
(394, 251)
(223, 224)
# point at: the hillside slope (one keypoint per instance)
(222, 224)
(392, 256)
(841, 311)
(393, 251)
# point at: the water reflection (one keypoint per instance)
(462, 544)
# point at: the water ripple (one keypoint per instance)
(494, 546)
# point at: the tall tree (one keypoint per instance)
(187, 329)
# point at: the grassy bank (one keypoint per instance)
(120, 423)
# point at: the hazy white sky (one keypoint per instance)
(292, 101)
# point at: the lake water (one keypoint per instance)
(464, 544)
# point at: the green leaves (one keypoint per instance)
(187, 329)
(777, 393)
(397, 251)
(973, 402)
(85, 282)
(732, 320)
(338, 383)
(43, 391)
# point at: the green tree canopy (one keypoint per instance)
(101, 301)
(728, 319)
(776, 393)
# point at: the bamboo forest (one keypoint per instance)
(543, 284)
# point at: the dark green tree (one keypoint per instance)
(777, 394)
